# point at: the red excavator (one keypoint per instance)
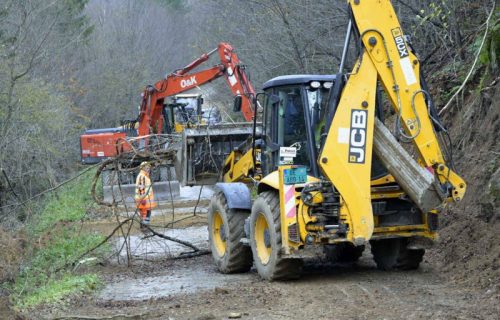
(154, 116)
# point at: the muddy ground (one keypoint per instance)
(193, 289)
(158, 287)
(459, 278)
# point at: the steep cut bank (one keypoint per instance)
(469, 247)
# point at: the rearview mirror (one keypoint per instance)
(237, 103)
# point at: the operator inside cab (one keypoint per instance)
(296, 105)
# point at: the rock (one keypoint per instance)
(234, 315)
(219, 290)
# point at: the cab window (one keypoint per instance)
(289, 129)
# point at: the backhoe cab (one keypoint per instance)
(330, 176)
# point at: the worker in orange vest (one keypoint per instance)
(144, 195)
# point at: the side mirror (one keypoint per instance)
(238, 100)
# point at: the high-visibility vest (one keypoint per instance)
(144, 191)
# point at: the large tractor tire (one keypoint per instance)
(265, 240)
(393, 254)
(343, 252)
(225, 230)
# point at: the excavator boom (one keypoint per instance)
(99, 145)
(182, 80)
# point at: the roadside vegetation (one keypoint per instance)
(68, 65)
(50, 270)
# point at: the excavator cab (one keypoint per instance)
(185, 110)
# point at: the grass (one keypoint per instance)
(70, 204)
(54, 291)
(56, 242)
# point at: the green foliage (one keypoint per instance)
(68, 205)
(73, 19)
(43, 109)
(437, 11)
(44, 132)
(58, 241)
(491, 50)
(55, 290)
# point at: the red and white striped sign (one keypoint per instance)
(290, 201)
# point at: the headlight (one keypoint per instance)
(327, 85)
(315, 84)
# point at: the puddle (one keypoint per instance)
(192, 193)
(191, 279)
(144, 247)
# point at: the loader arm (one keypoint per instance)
(150, 116)
(346, 155)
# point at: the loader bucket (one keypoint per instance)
(204, 149)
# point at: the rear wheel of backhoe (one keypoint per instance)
(392, 254)
(343, 252)
(225, 230)
(265, 240)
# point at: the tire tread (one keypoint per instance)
(240, 256)
(284, 269)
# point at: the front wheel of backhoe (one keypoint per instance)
(265, 240)
(225, 230)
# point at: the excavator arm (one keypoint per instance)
(150, 116)
(346, 157)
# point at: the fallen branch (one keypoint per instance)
(187, 255)
(103, 165)
(96, 246)
(49, 190)
(197, 251)
(161, 235)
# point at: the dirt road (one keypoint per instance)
(156, 287)
(192, 289)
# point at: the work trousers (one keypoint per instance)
(145, 215)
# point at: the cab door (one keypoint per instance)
(284, 125)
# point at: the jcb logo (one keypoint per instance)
(400, 42)
(357, 141)
(188, 82)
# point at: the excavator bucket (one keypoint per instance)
(204, 149)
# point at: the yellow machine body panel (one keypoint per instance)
(346, 158)
(317, 150)
(238, 165)
(399, 72)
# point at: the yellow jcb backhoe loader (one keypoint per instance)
(331, 177)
